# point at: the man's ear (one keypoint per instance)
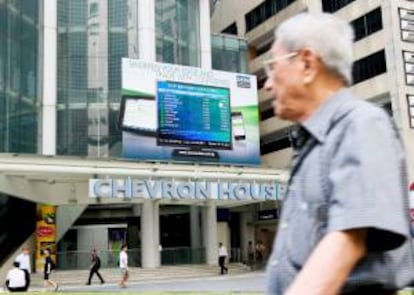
(311, 65)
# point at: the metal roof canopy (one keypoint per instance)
(64, 179)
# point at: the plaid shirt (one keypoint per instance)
(348, 172)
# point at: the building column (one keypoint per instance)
(195, 230)
(49, 77)
(246, 232)
(205, 34)
(148, 232)
(146, 30)
(156, 231)
(209, 219)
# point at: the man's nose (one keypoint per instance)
(268, 84)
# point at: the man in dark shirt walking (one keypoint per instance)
(95, 266)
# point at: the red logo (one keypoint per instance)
(45, 231)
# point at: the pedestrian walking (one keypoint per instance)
(260, 249)
(47, 271)
(344, 227)
(16, 279)
(250, 254)
(222, 255)
(24, 261)
(123, 265)
(94, 268)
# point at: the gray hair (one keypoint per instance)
(329, 36)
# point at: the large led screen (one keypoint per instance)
(179, 113)
(180, 123)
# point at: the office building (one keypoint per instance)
(60, 94)
(383, 58)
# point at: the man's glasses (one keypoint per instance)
(269, 65)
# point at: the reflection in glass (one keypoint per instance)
(93, 36)
(19, 112)
(177, 33)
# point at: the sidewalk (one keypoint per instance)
(112, 275)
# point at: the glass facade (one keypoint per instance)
(229, 53)
(19, 111)
(177, 32)
(93, 36)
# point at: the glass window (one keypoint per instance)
(3, 61)
(367, 24)
(28, 68)
(374, 21)
(19, 32)
(14, 66)
(177, 31)
(334, 5)
(264, 11)
(28, 34)
(369, 67)
(3, 18)
(231, 29)
(93, 9)
(93, 36)
(29, 9)
(229, 53)
(3, 122)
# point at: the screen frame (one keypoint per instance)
(197, 146)
(140, 131)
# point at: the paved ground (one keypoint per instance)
(248, 282)
(166, 276)
(180, 279)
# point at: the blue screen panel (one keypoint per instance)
(193, 115)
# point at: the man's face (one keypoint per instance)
(285, 83)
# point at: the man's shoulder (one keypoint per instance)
(358, 111)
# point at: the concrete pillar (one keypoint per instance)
(210, 232)
(146, 30)
(49, 77)
(205, 34)
(246, 232)
(156, 231)
(150, 234)
(195, 230)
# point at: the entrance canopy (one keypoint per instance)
(62, 180)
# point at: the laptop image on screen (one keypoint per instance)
(138, 115)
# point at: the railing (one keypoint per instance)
(183, 255)
(82, 259)
(235, 255)
(110, 259)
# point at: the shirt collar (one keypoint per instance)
(319, 122)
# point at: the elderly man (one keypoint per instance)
(344, 224)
